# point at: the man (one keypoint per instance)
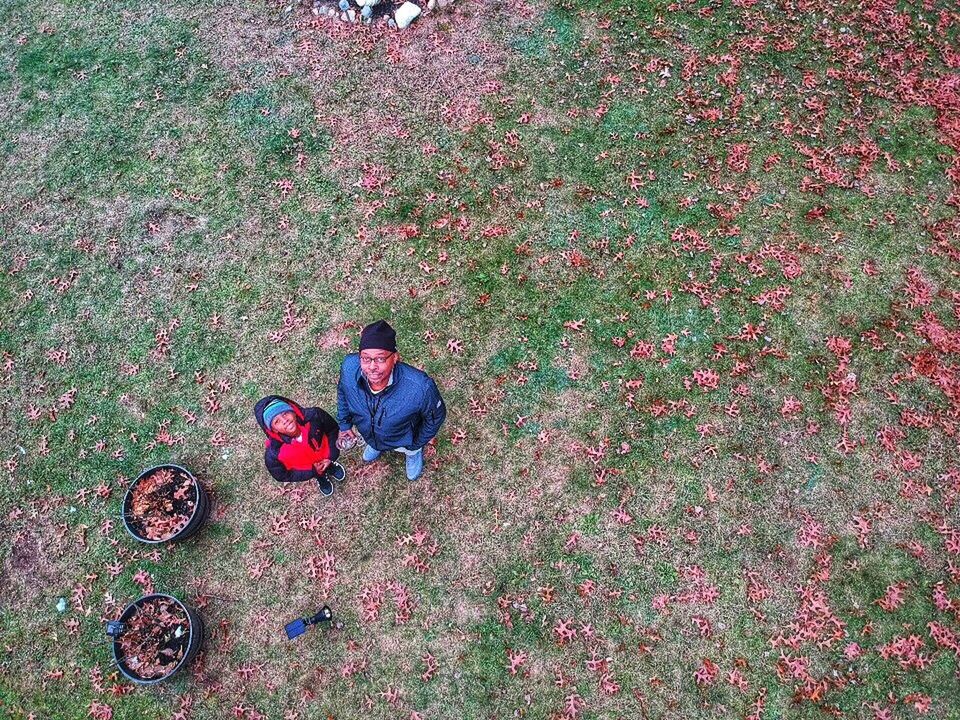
(301, 443)
(392, 405)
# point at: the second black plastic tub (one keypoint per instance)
(186, 639)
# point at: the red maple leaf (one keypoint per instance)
(706, 674)
(893, 598)
(515, 660)
(707, 379)
(564, 631)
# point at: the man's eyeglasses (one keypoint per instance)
(375, 360)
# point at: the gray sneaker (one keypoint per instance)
(414, 465)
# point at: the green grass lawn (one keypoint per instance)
(686, 275)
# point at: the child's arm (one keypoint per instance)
(322, 424)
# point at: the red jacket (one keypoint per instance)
(291, 459)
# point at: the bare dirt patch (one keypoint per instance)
(27, 570)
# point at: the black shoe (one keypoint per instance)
(337, 472)
(325, 486)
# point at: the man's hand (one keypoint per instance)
(321, 466)
(345, 438)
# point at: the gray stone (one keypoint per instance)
(406, 14)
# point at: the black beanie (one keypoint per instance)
(378, 336)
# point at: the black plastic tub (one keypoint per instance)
(201, 507)
(187, 643)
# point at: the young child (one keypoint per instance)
(301, 443)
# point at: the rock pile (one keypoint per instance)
(395, 14)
